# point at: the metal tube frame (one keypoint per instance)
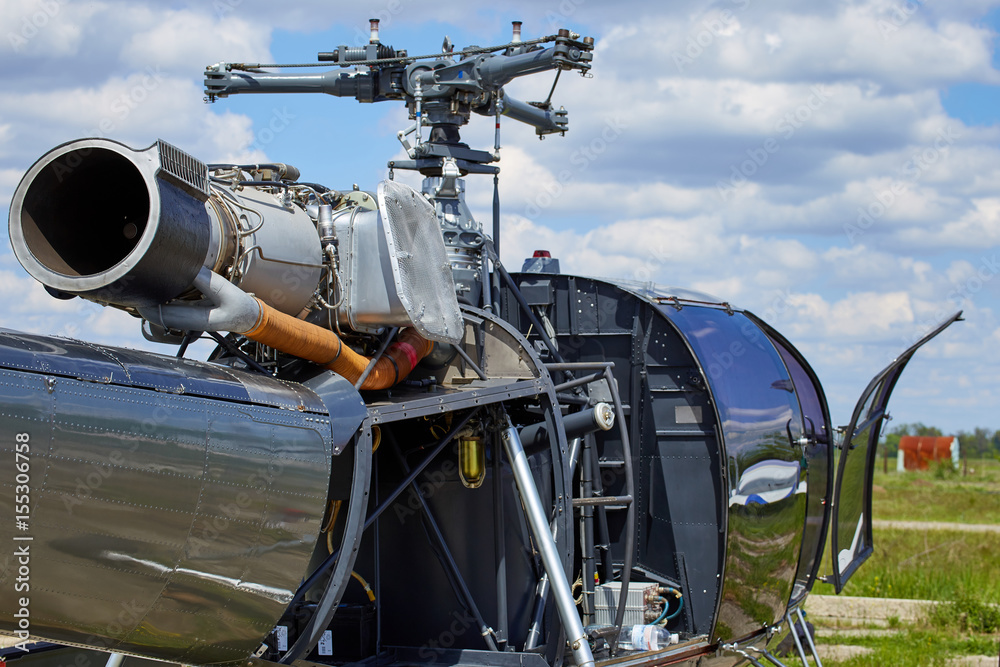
(587, 529)
(602, 542)
(538, 614)
(325, 565)
(468, 360)
(630, 519)
(809, 639)
(446, 558)
(587, 379)
(499, 541)
(795, 638)
(551, 560)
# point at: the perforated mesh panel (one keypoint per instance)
(187, 172)
(419, 262)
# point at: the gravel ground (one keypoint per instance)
(848, 610)
(938, 525)
(875, 614)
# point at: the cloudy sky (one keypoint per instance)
(833, 167)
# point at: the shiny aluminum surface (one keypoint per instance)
(173, 508)
(394, 268)
(760, 417)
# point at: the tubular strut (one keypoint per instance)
(798, 642)
(735, 648)
(630, 519)
(461, 589)
(539, 525)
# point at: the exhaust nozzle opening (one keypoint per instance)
(84, 212)
(119, 226)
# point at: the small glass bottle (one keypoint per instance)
(645, 638)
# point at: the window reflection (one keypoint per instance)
(767, 482)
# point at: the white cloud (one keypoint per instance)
(44, 28)
(977, 228)
(185, 40)
(850, 108)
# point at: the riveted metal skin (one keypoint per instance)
(173, 504)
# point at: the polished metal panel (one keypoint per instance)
(760, 417)
(394, 268)
(817, 457)
(164, 523)
(132, 368)
(280, 259)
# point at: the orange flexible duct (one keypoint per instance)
(308, 341)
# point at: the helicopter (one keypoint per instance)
(399, 452)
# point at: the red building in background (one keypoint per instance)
(919, 452)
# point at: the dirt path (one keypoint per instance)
(938, 525)
(865, 611)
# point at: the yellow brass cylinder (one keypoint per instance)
(471, 461)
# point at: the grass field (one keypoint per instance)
(928, 565)
(939, 495)
(961, 569)
(914, 647)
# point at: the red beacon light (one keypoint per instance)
(541, 261)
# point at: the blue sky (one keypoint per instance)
(976, 103)
(833, 168)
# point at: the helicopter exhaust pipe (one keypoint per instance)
(133, 229)
(142, 230)
(97, 219)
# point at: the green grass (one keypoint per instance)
(937, 496)
(928, 565)
(968, 614)
(958, 568)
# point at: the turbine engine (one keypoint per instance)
(234, 248)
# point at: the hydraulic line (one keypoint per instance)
(364, 584)
(232, 309)
(308, 341)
